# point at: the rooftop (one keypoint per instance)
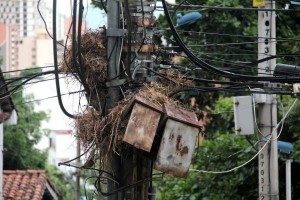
(27, 185)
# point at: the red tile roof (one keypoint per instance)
(24, 184)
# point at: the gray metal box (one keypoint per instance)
(178, 142)
(243, 115)
(143, 123)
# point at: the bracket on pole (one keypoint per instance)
(116, 82)
(114, 32)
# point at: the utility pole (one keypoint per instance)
(139, 21)
(267, 114)
(113, 50)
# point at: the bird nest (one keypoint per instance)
(94, 65)
(108, 132)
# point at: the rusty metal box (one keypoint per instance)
(178, 141)
(143, 122)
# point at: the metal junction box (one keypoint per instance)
(178, 141)
(243, 115)
(143, 122)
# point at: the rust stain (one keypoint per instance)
(141, 127)
(184, 151)
(178, 143)
(171, 135)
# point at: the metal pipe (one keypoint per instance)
(288, 179)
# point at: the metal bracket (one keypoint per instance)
(116, 82)
(296, 90)
(273, 86)
(114, 32)
(145, 8)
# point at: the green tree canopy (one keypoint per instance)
(19, 139)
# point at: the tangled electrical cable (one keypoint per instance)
(198, 62)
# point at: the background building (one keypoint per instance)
(25, 33)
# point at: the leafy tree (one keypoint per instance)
(61, 182)
(19, 139)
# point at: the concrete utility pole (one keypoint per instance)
(267, 114)
(139, 21)
(113, 50)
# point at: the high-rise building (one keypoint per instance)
(19, 19)
(23, 14)
(22, 24)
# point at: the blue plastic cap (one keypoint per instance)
(295, 3)
(188, 19)
(285, 147)
(179, 16)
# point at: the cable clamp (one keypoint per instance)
(116, 82)
(114, 32)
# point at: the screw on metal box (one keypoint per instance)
(143, 122)
(178, 141)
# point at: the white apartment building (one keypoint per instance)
(23, 27)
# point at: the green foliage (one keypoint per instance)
(221, 118)
(19, 140)
(61, 182)
(31, 71)
(98, 4)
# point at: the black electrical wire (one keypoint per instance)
(29, 76)
(229, 90)
(129, 29)
(106, 194)
(46, 98)
(104, 7)
(64, 163)
(16, 79)
(46, 27)
(213, 69)
(232, 35)
(20, 85)
(74, 46)
(21, 70)
(177, 6)
(237, 35)
(56, 64)
(64, 54)
(238, 8)
(81, 64)
(256, 62)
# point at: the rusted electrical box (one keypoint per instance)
(143, 123)
(178, 141)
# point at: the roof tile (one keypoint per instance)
(24, 184)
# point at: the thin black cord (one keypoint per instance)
(64, 163)
(104, 7)
(20, 85)
(177, 6)
(46, 27)
(128, 17)
(213, 69)
(81, 64)
(56, 65)
(21, 70)
(46, 98)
